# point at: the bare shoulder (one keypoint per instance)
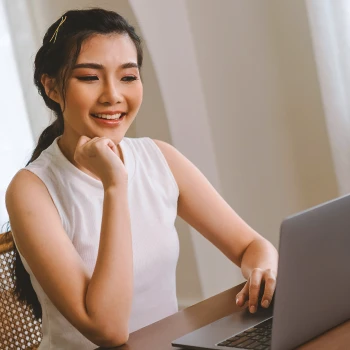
(166, 148)
(174, 158)
(171, 154)
(24, 180)
(184, 171)
(23, 177)
(28, 202)
(25, 186)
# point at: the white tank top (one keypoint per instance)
(153, 195)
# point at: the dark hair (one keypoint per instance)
(56, 58)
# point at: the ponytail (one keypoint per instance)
(47, 137)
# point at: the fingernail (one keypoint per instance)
(266, 303)
(237, 300)
(252, 309)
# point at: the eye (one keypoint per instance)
(88, 78)
(129, 78)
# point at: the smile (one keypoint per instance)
(109, 116)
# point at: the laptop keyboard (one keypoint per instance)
(257, 337)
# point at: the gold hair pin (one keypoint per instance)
(56, 31)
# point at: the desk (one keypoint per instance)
(159, 335)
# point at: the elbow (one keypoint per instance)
(117, 340)
(112, 339)
(108, 332)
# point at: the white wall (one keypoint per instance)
(245, 103)
(305, 116)
(263, 97)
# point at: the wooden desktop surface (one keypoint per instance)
(158, 336)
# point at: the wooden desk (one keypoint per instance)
(158, 336)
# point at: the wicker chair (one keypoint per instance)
(19, 329)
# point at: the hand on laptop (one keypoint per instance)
(260, 282)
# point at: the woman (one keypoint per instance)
(93, 212)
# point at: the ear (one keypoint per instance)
(50, 87)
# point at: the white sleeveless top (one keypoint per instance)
(153, 195)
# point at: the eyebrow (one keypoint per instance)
(100, 66)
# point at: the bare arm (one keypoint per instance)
(111, 285)
(98, 307)
(203, 208)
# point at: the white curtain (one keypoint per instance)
(330, 29)
(16, 140)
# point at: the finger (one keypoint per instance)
(254, 288)
(113, 146)
(95, 139)
(108, 142)
(82, 140)
(99, 142)
(270, 286)
(88, 147)
(243, 295)
(85, 141)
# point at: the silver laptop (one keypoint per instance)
(312, 292)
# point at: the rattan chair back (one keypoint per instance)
(19, 329)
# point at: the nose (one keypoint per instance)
(111, 94)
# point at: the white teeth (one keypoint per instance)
(108, 116)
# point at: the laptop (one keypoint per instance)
(312, 291)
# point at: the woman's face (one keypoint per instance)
(105, 81)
